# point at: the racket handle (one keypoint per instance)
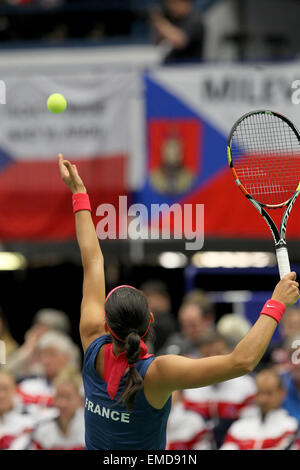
(283, 261)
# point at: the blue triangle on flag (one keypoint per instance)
(161, 103)
(5, 158)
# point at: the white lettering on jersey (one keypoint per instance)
(107, 412)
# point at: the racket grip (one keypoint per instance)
(283, 261)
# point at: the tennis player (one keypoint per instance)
(127, 391)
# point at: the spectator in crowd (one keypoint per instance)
(54, 319)
(56, 351)
(291, 378)
(160, 305)
(13, 423)
(64, 431)
(25, 360)
(291, 324)
(10, 344)
(196, 319)
(181, 28)
(267, 425)
(200, 297)
(233, 327)
(223, 402)
(186, 429)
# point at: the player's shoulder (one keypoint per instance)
(159, 368)
(164, 369)
(156, 387)
(164, 361)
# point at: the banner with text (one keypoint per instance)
(93, 133)
(157, 137)
(189, 113)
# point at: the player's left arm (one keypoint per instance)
(170, 372)
(92, 319)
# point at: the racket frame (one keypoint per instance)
(279, 235)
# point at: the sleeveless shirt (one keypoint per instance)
(110, 426)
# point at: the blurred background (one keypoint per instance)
(153, 88)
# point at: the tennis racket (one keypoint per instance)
(264, 156)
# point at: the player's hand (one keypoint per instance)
(70, 175)
(287, 290)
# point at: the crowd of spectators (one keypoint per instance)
(175, 23)
(42, 397)
(41, 391)
(256, 411)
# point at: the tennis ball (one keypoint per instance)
(56, 103)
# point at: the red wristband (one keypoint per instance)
(81, 202)
(273, 308)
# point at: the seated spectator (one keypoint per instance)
(56, 352)
(233, 327)
(13, 423)
(196, 319)
(53, 319)
(25, 360)
(186, 429)
(65, 431)
(268, 425)
(160, 305)
(292, 378)
(181, 28)
(200, 297)
(223, 402)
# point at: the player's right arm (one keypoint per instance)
(170, 372)
(92, 319)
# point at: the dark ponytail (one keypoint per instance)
(128, 316)
(134, 381)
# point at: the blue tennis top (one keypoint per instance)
(109, 426)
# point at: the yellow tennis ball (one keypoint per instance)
(56, 103)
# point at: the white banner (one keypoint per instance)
(95, 122)
(106, 107)
(221, 93)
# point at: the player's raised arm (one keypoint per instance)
(170, 372)
(92, 306)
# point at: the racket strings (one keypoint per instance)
(266, 156)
